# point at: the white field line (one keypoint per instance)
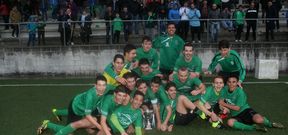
(87, 84)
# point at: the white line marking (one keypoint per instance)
(87, 84)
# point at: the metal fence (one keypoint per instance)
(103, 30)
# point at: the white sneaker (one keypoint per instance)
(240, 40)
(236, 40)
(199, 41)
(72, 43)
(193, 41)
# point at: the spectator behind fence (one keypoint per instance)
(41, 30)
(227, 23)
(108, 18)
(277, 4)
(134, 8)
(117, 28)
(264, 7)
(251, 13)
(214, 24)
(54, 4)
(184, 21)
(174, 16)
(32, 28)
(204, 15)
(85, 27)
(15, 18)
(150, 24)
(270, 23)
(4, 12)
(239, 16)
(194, 15)
(43, 5)
(92, 4)
(126, 16)
(67, 27)
(26, 11)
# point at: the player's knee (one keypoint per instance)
(230, 122)
(258, 119)
(181, 98)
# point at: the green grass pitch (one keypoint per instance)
(23, 108)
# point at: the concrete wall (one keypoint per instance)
(87, 62)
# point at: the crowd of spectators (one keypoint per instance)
(143, 14)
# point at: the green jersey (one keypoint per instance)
(237, 98)
(195, 65)
(151, 55)
(185, 88)
(85, 103)
(147, 77)
(162, 96)
(163, 111)
(108, 105)
(210, 96)
(148, 96)
(117, 24)
(230, 63)
(170, 48)
(126, 116)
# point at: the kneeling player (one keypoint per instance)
(125, 116)
(243, 117)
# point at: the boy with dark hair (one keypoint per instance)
(144, 70)
(243, 116)
(125, 116)
(81, 111)
(230, 62)
(146, 51)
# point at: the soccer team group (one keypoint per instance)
(140, 84)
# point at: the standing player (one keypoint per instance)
(125, 116)
(109, 104)
(243, 117)
(118, 69)
(81, 111)
(170, 46)
(230, 62)
(146, 51)
(188, 60)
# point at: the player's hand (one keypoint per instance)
(214, 117)
(195, 92)
(159, 75)
(159, 125)
(239, 84)
(124, 133)
(164, 127)
(170, 128)
(130, 129)
(193, 75)
(121, 80)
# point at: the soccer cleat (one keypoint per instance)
(43, 127)
(202, 116)
(260, 128)
(277, 125)
(59, 118)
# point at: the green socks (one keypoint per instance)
(267, 122)
(66, 130)
(54, 127)
(62, 112)
(241, 126)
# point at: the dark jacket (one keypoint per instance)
(251, 13)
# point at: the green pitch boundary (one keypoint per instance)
(87, 84)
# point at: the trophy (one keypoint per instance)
(149, 120)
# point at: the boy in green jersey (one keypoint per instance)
(118, 69)
(146, 51)
(149, 100)
(125, 116)
(230, 61)
(168, 109)
(243, 116)
(192, 62)
(130, 84)
(145, 72)
(169, 46)
(190, 91)
(209, 102)
(129, 62)
(80, 111)
(109, 104)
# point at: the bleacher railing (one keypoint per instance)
(104, 29)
